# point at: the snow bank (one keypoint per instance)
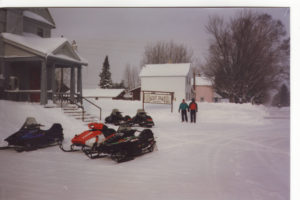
(232, 113)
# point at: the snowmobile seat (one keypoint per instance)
(55, 128)
(126, 130)
(145, 135)
(107, 132)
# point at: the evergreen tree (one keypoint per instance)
(282, 98)
(105, 75)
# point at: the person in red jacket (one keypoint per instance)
(193, 107)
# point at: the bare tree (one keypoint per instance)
(131, 76)
(245, 56)
(166, 52)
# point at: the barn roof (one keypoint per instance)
(165, 70)
(102, 93)
(202, 81)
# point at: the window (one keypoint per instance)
(40, 32)
(202, 99)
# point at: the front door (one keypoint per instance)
(35, 83)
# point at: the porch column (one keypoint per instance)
(44, 93)
(79, 81)
(1, 66)
(53, 83)
(72, 85)
(4, 72)
(2, 78)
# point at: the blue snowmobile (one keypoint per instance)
(31, 137)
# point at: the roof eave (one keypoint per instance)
(164, 76)
(67, 60)
(18, 45)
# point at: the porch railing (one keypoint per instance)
(78, 101)
(95, 105)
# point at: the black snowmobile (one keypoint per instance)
(141, 119)
(124, 145)
(116, 118)
(31, 137)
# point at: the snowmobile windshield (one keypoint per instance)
(115, 112)
(123, 128)
(29, 123)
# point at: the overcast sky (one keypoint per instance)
(123, 33)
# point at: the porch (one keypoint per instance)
(36, 80)
(30, 73)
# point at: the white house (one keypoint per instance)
(168, 78)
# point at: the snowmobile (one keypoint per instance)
(97, 133)
(142, 119)
(124, 145)
(31, 137)
(116, 118)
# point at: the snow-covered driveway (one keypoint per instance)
(233, 152)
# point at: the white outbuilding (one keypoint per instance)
(168, 78)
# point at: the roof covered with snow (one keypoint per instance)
(152, 70)
(36, 17)
(202, 81)
(104, 93)
(41, 46)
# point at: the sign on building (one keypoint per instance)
(156, 97)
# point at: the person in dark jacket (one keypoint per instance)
(193, 108)
(183, 107)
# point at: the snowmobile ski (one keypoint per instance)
(68, 150)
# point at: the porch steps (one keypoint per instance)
(76, 112)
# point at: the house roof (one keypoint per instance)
(37, 17)
(153, 70)
(216, 95)
(136, 88)
(202, 81)
(43, 46)
(104, 93)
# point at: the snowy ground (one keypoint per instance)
(233, 152)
